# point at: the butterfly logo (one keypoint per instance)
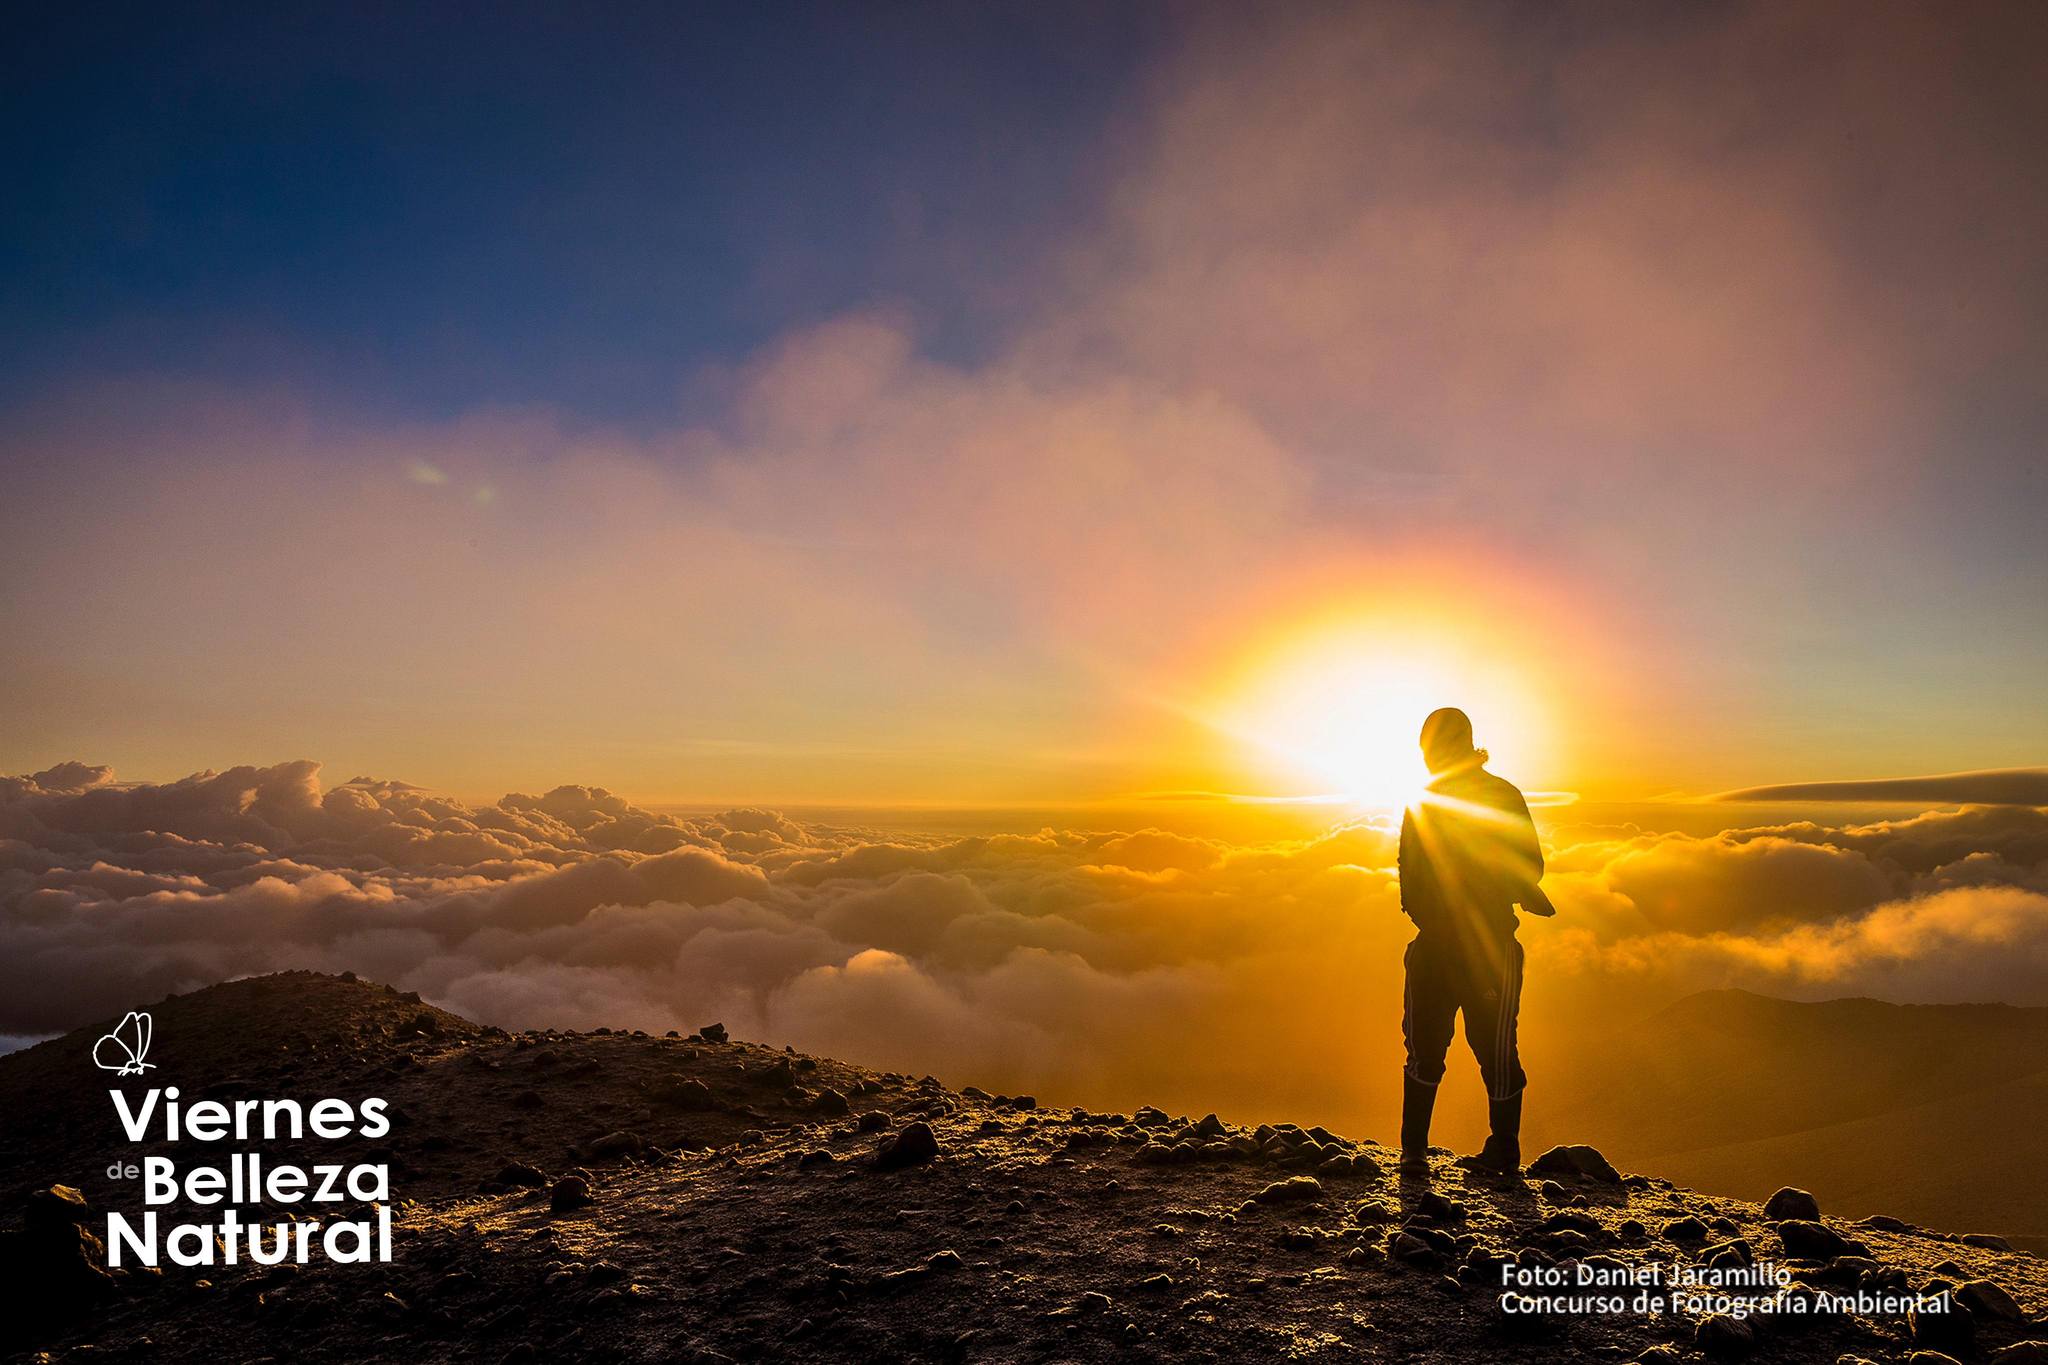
(122, 1051)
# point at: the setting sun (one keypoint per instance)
(1340, 707)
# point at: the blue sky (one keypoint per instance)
(442, 206)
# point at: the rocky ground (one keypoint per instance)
(616, 1196)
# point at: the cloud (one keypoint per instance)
(1991, 787)
(1096, 965)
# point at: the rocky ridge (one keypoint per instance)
(610, 1195)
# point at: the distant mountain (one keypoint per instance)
(1935, 1113)
(610, 1196)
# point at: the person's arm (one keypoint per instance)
(1413, 867)
(1532, 843)
(1530, 851)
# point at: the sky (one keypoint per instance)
(1024, 403)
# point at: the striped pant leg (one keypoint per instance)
(1493, 1021)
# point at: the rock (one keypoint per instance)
(1728, 1255)
(816, 1157)
(831, 1103)
(519, 1173)
(2021, 1353)
(874, 1121)
(1293, 1189)
(712, 1033)
(1575, 1161)
(571, 1192)
(527, 1099)
(620, 1143)
(1406, 1246)
(682, 1093)
(1632, 1230)
(55, 1209)
(1790, 1202)
(1438, 1208)
(1721, 1335)
(1804, 1240)
(1984, 1240)
(55, 1270)
(1953, 1331)
(912, 1145)
(1931, 1358)
(1150, 1117)
(1686, 1229)
(1989, 1302)
(1572, 1220)
(780, 1076)
(1884, 1222)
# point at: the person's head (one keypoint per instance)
(1447, 740)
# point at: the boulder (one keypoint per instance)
(1294, 1189)
(1575, 1161)
(1988, 1302)
(620, 1143)
(1811, 1241)
(1790, 1202)
(912, 1145)
(55, 1270)
(1718, 1334)
(1406, 1246)
(571, 1192)
(55, 1209)
(1952, 1331)
(682, 1093)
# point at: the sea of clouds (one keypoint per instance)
(1091, 965)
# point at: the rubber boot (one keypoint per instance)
(1502, 1154)
(1417, 1101)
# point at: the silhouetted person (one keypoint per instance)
(1469, 855)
